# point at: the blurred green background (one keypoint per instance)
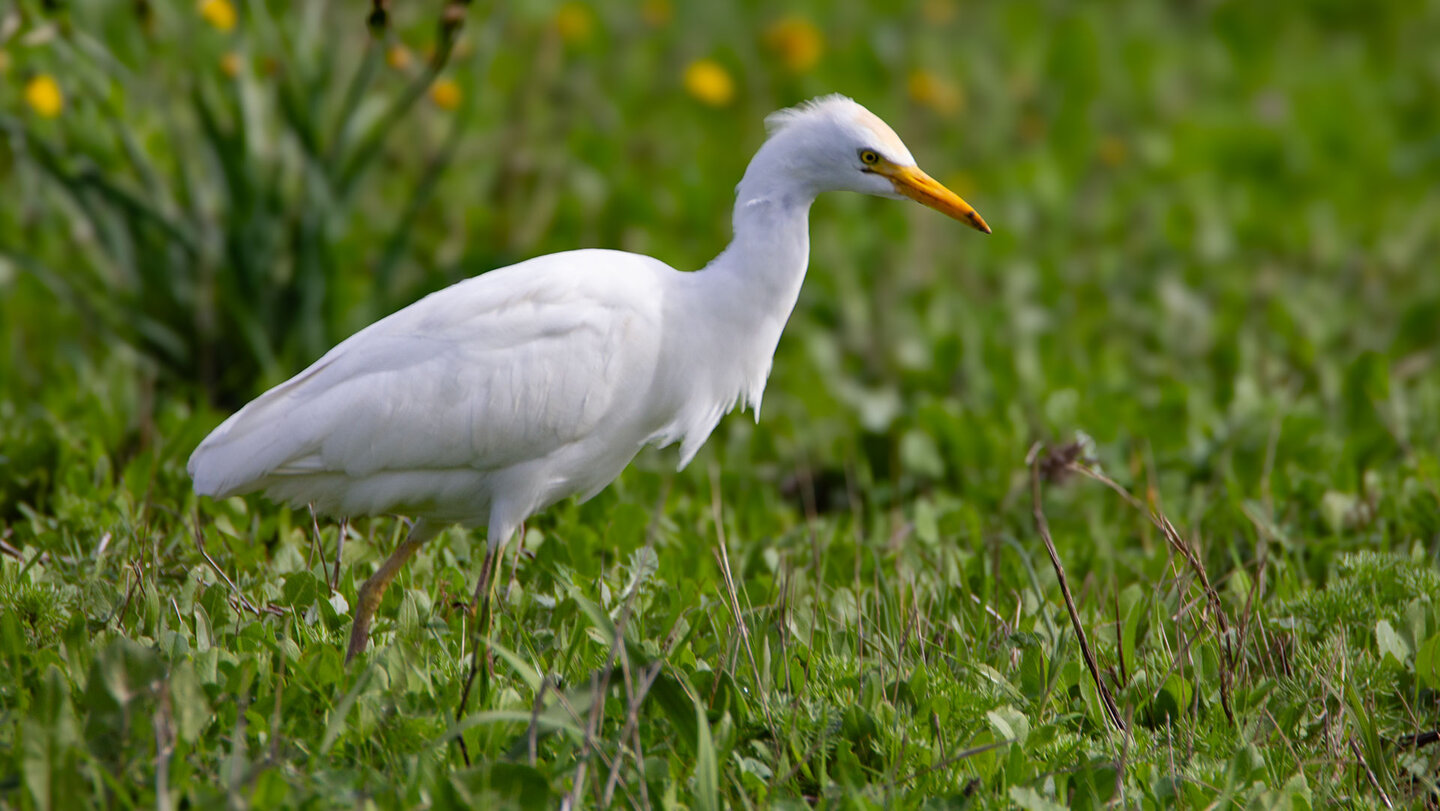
(1216, 230)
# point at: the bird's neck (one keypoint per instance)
(764, 265)
(746, 295)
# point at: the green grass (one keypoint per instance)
(1213, 268)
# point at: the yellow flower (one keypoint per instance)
(796, 41)
(935, 92)
(398, 57)
(656, 12)
(938, 11)
(219, 13)
(574, 22)
(707, 81)
(445, 93)
(230, 64)
(1112, 151)
(43, 95)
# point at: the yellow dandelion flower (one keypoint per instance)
(574, 22)
(708, 82)
(230, 64)
(796, 41)
(1112, 151)
(935, 91)
(398, 57)
(938, 11)
(656, 12)
(219, 13)
(43, 95)
(445, 93)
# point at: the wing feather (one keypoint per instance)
(494, 371)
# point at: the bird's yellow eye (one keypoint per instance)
(869, 157)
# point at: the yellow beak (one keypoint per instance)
(927, 191)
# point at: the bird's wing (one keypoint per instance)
(503, 368)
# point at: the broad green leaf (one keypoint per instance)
(188, 704)
(1393, 649)
(1427, 663)
(301, 589)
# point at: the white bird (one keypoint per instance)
(505, 393)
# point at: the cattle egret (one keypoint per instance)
(505, 393)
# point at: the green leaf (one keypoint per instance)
(188, 705)
(1009, 724)
(678, 708)
(503, 785)
(920, 455)
(1427, 663)
(707, 780)
(335, 724)
(1392, 648)
(1134, 602)
(47, 757)
(12, 638)
(927, 524)
(528, 674)
(1031, 800)
(301, 589)
(271, 790)
(599, 620)
(548, 720)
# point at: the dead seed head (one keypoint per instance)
(1055, 464)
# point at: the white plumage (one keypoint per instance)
(502, 394)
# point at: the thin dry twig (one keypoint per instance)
(535, 716)
(1197, 567)
(633, 700)
(1121, 764)
(857, 524)
(1374, 782)
(234, 589)
(601, 685)
(1043, 527)
(1217, 610)
(632, 724)
(340, 552)
(730, 592)
(572, 800)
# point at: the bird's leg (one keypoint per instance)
(515, 559)
(340, 552)
(480, 609)
(481, 600)
(374, 588)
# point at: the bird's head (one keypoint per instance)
(834, 144)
